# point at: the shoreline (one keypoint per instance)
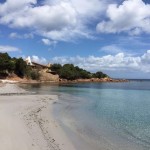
(63, 81)
(27, 122)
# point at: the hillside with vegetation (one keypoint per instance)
(71, 72)
(17, 66)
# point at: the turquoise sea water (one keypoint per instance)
(103, 116)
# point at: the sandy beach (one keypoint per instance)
(27, 122)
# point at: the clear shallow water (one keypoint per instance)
(112, 116)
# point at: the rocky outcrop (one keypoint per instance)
(93, 80)
(48, 77)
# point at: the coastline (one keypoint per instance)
(63, 81)
(93, 80)
(27, 122)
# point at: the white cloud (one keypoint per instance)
(7, 48)
(15, 35)
(60, 20)
(132, 16)
(12, 6)
(111, 49)
(88, 8)
(40, 60)
(146, 58)
(49, 42)
(118, 62)
(65, 20)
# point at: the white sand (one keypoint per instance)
(11, 89)
(8, 81)
(26, 122)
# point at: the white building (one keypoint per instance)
(28, 61)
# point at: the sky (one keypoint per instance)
(112, 36)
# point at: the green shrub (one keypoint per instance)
(34, 75)
(99, 75)
(71, 72)
(56, 67)
(6, 63)
(20, 67)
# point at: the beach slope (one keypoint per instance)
(27, 122)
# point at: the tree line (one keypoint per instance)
(71, 72)
(18, 66)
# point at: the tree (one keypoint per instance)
(99, 75)
(69, 72)
(35, 75)
(83, 74)
(20, 67)
(5, 56)
(56, 67)
(6, 63)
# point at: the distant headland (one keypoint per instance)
(26, 71)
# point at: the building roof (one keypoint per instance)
(41, 65)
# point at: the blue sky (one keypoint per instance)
(112, 36)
